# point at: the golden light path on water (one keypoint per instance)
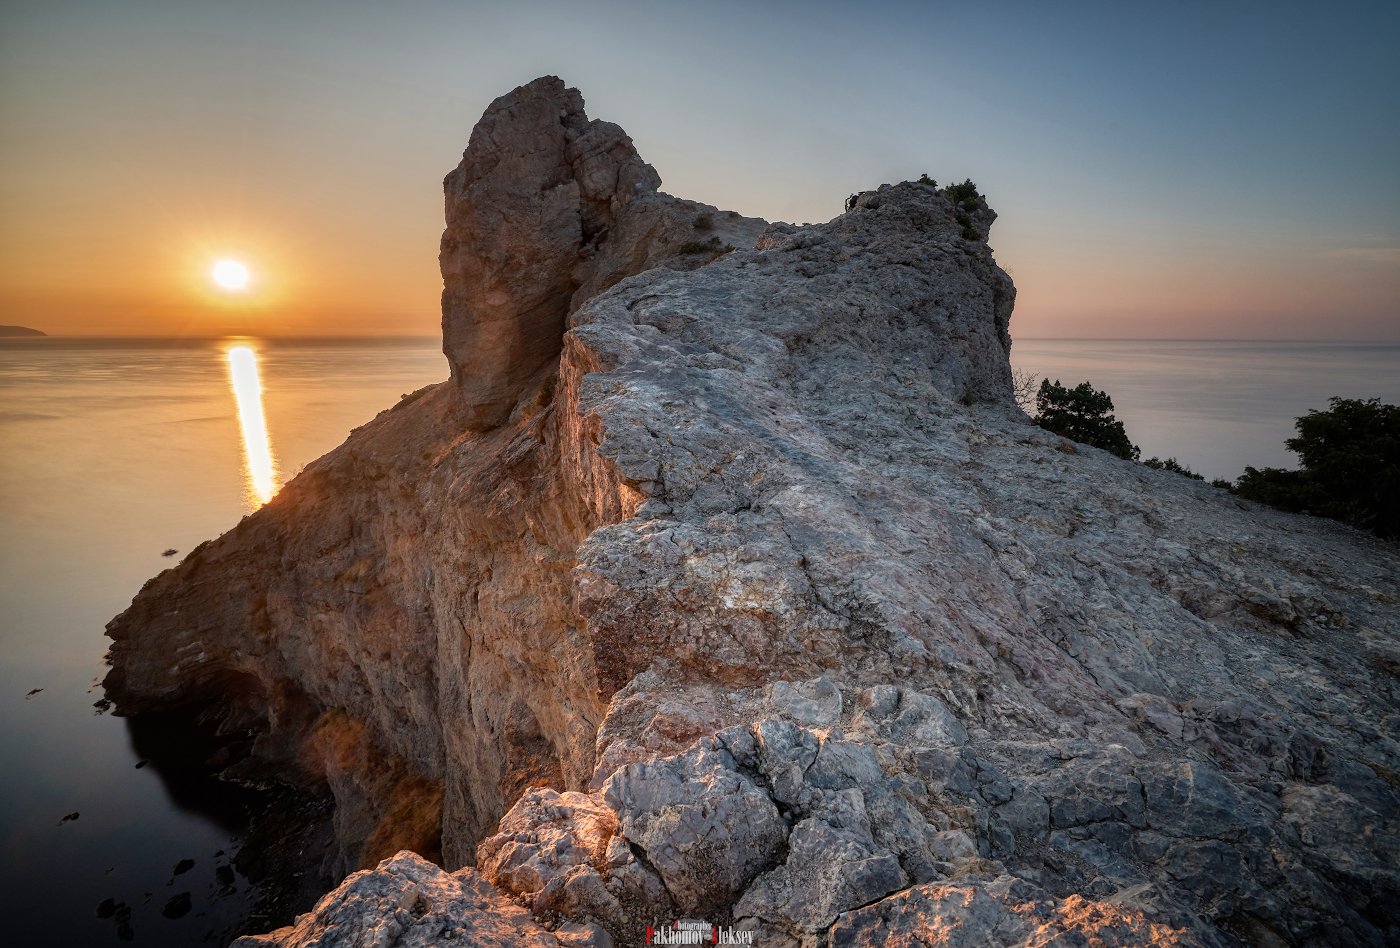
(257, 448)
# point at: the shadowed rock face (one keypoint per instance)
(546, 209)
(757, 599)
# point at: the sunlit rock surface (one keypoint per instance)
(753, 597)
(410, 903)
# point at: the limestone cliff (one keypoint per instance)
(734, 585)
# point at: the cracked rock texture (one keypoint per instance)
(735, 585)
(409, 902)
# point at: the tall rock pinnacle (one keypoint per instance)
(538, 188)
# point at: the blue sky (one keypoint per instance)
(1187, 170)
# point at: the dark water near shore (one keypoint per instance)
(112, 452)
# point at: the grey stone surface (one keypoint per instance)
(761, 598)
(1002, 912)
(408, 902)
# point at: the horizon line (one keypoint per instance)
(214, 337)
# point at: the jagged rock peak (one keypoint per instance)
(537, 183)
(531, 212)
(771, 607)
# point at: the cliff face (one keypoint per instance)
(753, 597)
(546, 210)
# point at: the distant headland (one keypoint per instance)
(20, 331)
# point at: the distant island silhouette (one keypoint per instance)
(20, 331)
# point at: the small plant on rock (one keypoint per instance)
(1173, 465)
(965, 198)
(964, 195)
(1024, 386)
(711, 246)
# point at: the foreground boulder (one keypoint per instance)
(409, 902)
(739, 588)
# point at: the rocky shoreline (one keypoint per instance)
(724, 579)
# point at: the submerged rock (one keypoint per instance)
(178, 906)
(735, 584)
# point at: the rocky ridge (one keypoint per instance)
(734, 585)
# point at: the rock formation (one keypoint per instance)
(734, 585)
(546, 210)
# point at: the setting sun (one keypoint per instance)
(230, 274)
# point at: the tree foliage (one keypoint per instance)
(1082, 414)
(964, 195)
(965, 198)
(1350, 467)
(1173, 465)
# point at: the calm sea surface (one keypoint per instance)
(111, 453)
(1217, 406)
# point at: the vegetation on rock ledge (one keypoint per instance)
(1082, 414)
(711, 246)
(1350, 453)
(1350, 470)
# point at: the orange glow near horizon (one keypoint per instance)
(260, 465)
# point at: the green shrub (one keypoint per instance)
(1350, 468)
(704, 222)
(711, 246)
(1171, 464)
(964, 195)
(1082, 414)
(925, 179)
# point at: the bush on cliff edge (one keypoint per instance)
(1082, 414)
(1350, 468)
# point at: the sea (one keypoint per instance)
(1216, 407)
(114, 453)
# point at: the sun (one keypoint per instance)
(230, 274)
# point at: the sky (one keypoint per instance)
(1188, 170)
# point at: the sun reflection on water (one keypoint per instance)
(259, 462)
